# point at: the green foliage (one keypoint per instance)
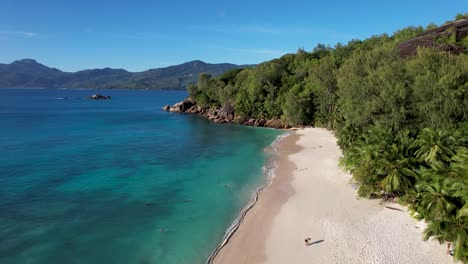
(292, 109)
(321, 51)
(431, 26)
(374, 89)
(229, 77)
(461, 16)
(322, 83)
(298, 107)
(408, 33)
(439, 84)
(401, 122)
(434, 147)
(464, 43)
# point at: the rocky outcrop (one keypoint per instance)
(182, 106)
(222, 115)
(99, 97)
(432, 38)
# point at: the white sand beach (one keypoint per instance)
(311, 197)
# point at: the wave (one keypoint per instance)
(269, 170)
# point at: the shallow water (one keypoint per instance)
(120, 180)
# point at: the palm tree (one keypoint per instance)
(397, 164)
(457, 180)
(347, 134)
(397, 170)
(450, 229)
(433, 200)
(442, 196)
(378, 161)
(437, 229)
(459, 235)
(434, 146)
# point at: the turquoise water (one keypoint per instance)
(119, 181)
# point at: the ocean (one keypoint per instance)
(120, 180)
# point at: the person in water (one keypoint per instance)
(307, 241)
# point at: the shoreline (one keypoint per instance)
(311, 197)
(222, 115)
(269, 174)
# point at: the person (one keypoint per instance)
(449, 250)
(307, 241)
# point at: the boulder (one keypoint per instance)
(182, 106)
(259, 122)
(275, 123)
(196, 109)
(166, 107)
(248, 122)
(227, 111)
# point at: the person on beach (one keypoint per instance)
(449, 249)
(307, 241)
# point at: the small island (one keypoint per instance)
(99, 97)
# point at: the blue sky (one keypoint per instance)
(138, 35)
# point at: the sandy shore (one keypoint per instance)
(312, 197)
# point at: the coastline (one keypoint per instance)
(222, 115)
(269, 174)
(311, 197)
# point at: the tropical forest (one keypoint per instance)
(398, 105)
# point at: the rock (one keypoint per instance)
(99, 97)
(275, 123)
(429, 38)
(196, 109)
(248, 122)
(259, 122)
(182, 106)
(225, 114)
(227, 111)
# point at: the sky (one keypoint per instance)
(138, 35)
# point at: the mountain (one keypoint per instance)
(30, 73)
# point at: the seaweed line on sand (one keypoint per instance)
(235, 226)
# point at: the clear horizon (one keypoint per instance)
(145, 35)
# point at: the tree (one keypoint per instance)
(407, 33)
(397, 170)
(457, 180)
(434, 146)
(434, 199)
(322, 82)
(450, 229)
(461, 16)
(439, 88)
(293, 112)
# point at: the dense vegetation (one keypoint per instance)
(29, 73)
(401, 121)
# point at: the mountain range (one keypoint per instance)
(28, 73)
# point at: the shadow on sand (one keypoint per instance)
(315, 242)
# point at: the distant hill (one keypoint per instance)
(29, 73)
